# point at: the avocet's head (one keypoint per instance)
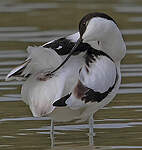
(96, 26)
(101, 27)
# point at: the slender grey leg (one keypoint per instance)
(91, 130)
(52, 133)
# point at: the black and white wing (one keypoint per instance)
(61, 46)
(97, 78)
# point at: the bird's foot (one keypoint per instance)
(93, 134)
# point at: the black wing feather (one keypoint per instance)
(61, 101)
(62, 46)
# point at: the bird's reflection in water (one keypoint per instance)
(73, 147)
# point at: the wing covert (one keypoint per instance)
(95, 83)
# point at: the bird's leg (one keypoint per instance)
(52, 133)
(91, 130)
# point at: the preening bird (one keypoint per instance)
(70, 78)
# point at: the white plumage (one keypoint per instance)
(40, 94)
(47, 61)
(101, 76)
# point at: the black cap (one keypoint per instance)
(85, 20)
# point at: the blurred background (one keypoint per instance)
(34, 22)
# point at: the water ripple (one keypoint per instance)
(128, 9)
(25, 7)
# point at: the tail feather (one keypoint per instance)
(62, 101)
(16, 73)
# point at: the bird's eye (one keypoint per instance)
(84, 23)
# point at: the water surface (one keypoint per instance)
(33, 22)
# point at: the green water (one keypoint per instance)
(34, 22)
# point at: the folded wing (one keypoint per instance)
(97, 79)
(61, 47)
